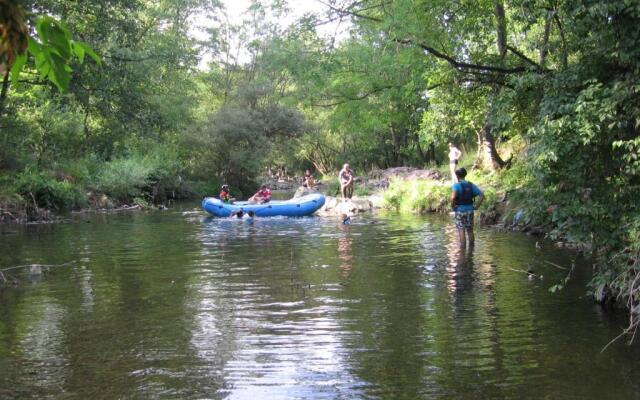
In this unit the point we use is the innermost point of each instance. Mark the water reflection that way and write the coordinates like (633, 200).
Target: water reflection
(345, 250)
(460, 267)
(176, 305)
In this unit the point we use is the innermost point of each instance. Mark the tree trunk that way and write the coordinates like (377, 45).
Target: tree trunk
(3, 92)
(85, 123)
(479, 160)
(395, 141)
(501, 29)
(491, 158)
(487, 155)
(432, 152)
(544, 48)
(422, 156)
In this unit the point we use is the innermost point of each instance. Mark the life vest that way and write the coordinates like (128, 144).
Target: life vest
(465, 197)
(224, 196)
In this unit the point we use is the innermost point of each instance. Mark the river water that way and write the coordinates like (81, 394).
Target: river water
(177, 305)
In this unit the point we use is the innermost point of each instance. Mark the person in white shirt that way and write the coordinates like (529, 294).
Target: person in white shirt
(454, 156)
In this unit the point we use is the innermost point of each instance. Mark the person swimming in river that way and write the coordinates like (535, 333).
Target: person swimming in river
(346, 219)
(238, 214)
(249, 216)
(225, 196)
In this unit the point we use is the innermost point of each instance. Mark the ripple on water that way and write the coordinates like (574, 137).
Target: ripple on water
(175, 305)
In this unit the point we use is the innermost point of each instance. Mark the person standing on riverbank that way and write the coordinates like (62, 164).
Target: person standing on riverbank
(463, 194)
(346, 181)
(454, 156)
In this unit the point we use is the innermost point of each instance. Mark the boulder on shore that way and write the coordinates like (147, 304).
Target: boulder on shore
(335, 206)
(303, 191)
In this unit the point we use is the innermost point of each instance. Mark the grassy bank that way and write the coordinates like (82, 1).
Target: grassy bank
(425, 195)
(140, 179)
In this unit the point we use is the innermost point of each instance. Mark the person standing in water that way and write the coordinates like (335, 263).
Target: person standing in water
(346, 181)
(454, 156)
(463, 194)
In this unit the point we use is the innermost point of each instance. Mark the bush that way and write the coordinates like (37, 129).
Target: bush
(149, 176)
(362, 190)
(124, 179)
(83, 171)
(417, 195)
(331, 185)
(166, 169)
(47, 192)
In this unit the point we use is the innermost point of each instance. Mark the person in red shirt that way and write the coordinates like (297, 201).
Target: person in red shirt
(262, 196)
(225, 197)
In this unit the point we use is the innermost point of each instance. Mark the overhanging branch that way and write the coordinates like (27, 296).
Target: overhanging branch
(458, 65)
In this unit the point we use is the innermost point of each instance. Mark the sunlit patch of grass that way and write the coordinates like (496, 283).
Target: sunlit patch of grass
(417, 195)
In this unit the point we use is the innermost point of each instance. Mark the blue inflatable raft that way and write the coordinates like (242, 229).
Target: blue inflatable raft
(297, 207)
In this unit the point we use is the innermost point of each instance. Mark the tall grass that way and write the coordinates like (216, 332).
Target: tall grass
(416, 195)
(124, 179)
(423, 195)
(48, 192)
(148, 176)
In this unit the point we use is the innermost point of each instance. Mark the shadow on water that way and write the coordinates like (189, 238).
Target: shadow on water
(179, 305)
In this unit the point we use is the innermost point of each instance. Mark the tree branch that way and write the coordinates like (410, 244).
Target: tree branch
(125, 59)
(33, 82)
(347, 98)
(525, 58)
(458, 65)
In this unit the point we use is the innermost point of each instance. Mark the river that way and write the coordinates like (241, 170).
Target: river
(179, 305)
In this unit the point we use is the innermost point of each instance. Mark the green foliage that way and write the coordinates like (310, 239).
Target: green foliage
(234, 144)
(331, 185)
(48, 192)
(417, 196)
(124, 179)
(147, 176)
(362, 190)
(53, 49)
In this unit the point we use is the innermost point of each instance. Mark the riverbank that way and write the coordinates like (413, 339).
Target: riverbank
(15, 209)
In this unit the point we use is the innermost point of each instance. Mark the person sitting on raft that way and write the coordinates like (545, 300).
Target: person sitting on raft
(262, 196)
(308, 182)
(225, 197)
